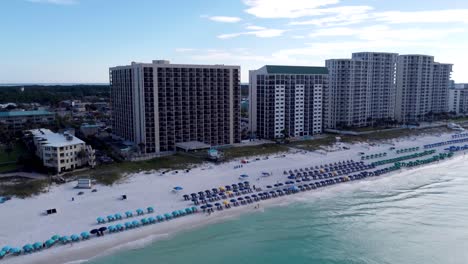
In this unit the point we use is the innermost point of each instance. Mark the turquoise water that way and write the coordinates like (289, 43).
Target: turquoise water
(416, 218)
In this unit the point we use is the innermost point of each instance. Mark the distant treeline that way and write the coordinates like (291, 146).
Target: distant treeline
(50, 94)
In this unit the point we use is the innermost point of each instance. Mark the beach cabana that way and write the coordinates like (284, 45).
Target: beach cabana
(75, 238)
(150, 210)
(37, 246)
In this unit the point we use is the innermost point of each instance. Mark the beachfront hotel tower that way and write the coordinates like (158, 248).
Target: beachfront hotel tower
(422, 88)
(159, 105)
(361, 90)
(286, 101)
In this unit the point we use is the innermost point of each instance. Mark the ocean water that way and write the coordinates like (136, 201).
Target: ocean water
(410, 218)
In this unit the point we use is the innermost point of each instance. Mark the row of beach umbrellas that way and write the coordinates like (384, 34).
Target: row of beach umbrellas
(444, 143)
(128, 214)
(407, 157)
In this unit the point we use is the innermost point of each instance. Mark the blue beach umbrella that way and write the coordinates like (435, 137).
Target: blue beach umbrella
(150, 209)
(50, 243)
(152, 220)
(2, 254)
(6, 249)
(100, 220)
(194, 209)
(244, 176)
(129, 214)
(188, 210)
(128, 225)
(181, 212)
(167, 216)
(144, 221)
(111, 228)
(178, 188)
(118, 216)
(28, 248)
(85, 235)
(15, 251)
(37, 245)
(55, 237)
(65, 239)
(119, 227)
(135, 223)
(139, 211)
(175, 213)
(160, 218)
(75, 237)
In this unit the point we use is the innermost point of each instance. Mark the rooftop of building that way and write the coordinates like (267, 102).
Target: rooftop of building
(25, 113)
(166, 63)
(285, 69)
(55, 139)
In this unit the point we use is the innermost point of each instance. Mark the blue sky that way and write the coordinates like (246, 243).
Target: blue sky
(67, 41)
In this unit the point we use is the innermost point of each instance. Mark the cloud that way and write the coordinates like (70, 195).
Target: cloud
(181, 50)
(285, 8)
(260, 32)
(338, 16)
(56, 2)
(225, 19)
(432, 16)
(384, 32)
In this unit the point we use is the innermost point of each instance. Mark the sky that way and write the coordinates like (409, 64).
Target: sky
(76, 41)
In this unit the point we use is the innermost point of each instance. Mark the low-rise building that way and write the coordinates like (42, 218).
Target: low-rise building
(62, 151)
(20, 120)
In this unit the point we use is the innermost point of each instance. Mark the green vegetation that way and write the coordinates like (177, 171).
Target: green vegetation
(51, 94)
(265, 149)
(25, 188)
(9, 155)
(392, 134)
(112, 173)
(314, 144)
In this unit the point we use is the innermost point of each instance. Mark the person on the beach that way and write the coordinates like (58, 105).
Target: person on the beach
(73, 199)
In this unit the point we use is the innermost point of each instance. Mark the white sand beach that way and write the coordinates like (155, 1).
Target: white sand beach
(22, 220)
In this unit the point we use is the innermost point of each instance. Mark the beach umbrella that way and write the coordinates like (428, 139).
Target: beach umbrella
(119, 227)
(95, 231)
(160, 218)
(100, 220)
(209, 206)
(102, 229)
(167, 216)
(269, 187)
(128, 225)
(129, 214)
(15, 251)
(144, 221)
(7, 248)
(36, 246)
(110, 218)
(181, 212)
(50, 243)
(178, 188)
(194, 209)
(64, 239)
(152, 220)
(188, 210)
(244, 176)
(55, 237)
(118, 216)
(2, 254)
(85, 235)
(139, 211)
(233, 200)
(135, 223)
(28, 248)
(75, 237)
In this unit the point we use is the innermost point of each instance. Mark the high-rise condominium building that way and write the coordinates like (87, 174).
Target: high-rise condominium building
(286, 101)
(422, 87)
(158, 105)
(361, 90)
(458, 99)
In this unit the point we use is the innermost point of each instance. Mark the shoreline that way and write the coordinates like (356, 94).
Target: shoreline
(148, 235)
(201, 179)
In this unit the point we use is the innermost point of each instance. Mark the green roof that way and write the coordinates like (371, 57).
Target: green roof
(25, 113)
(278, 69)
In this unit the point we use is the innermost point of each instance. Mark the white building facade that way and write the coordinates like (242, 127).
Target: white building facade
(361, 90)
(62, 152)
(458, 99)
(286, 101)
(158, 105)
(422, 88)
